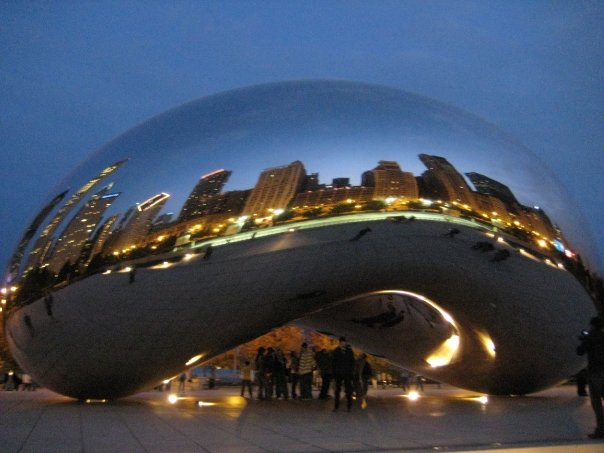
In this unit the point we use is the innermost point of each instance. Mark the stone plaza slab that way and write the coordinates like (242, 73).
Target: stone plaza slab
(442, 419)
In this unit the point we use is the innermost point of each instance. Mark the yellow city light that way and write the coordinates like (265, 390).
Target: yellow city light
(205, 403)
(413, 395)
(487, 343)
(443, 355)
(192, 360)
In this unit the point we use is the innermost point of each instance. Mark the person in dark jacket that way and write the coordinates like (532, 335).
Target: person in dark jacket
(269, 373)
(294, 372)
(280, 375)
(323, 359)
(342, 367)
(592, 344)
(260, 372)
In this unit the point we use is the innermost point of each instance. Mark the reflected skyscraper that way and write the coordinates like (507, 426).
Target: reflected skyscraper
(199, 201)
(139, 223)
(443, 181)
(16, 259)
(489, 186)
(80, 229)
(101, 237)
(388, 180)
(275, 188)
(44, 242)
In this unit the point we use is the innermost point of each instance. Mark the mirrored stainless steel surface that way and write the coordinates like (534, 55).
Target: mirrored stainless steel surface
(305, 202)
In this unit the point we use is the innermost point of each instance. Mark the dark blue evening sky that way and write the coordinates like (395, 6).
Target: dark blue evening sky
(73, 75)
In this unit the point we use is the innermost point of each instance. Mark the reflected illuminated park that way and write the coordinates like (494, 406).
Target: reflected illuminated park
(422, 233)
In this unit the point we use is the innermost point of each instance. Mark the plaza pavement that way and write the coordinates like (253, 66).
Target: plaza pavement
(442, 419)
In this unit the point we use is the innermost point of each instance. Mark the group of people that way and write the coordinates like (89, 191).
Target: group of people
(284, 376)
(13, 381)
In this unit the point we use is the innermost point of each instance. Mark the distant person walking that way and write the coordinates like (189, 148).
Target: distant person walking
(181, 383)
(592, 344)
(360, 234)
(343, 373)
(419, 383)
(208, 253)
(362, 374)
(48, 301)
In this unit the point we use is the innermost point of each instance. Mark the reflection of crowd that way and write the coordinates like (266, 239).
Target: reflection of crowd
(14, 381)
(284, 376)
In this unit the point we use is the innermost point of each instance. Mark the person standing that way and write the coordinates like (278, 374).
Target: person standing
(323, 359)
(181, 383)
(342, 365)
(294, 372)
(592, 344)
(280, 375)
(260, 373)
(246, 378)
(269, 373)
(306, 365)
(363, 372)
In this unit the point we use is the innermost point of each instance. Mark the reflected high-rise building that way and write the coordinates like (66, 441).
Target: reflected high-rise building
(44, 242)
(275, 188)
(311, 182)
(80, 229)
(340, 182)
(139, 224)
(17, 257)
(208, 187)
(489, 186)
(162, 221)
(443, 181)
(229, 203)
(101, 237)
(536, 220)
(388, 180)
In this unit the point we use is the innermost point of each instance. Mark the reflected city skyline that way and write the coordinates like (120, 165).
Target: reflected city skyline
(339, 130)
(282, 194)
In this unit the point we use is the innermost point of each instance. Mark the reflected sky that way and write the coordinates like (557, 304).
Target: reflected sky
(338, 129)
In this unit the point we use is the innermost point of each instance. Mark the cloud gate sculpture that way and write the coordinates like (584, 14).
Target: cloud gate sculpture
(423, 234)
